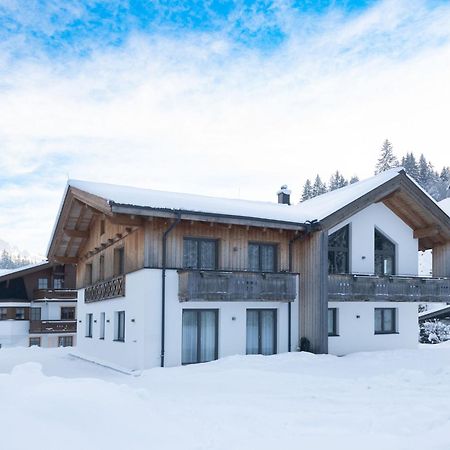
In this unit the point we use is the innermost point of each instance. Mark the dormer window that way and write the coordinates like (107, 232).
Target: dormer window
(384, 255)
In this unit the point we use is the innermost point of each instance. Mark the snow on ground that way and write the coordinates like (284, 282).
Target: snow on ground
(391, 400)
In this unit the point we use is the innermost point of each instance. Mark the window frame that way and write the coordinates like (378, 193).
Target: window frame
(394, 329)
(335, 249)
(22, 314)
(334, 332)
(88, 274)
(101, 268)
(274, 311)
(89, 325)
(63, 339)
(34, 309)
(34, 338)
(382, 253)
(44, 285)
(260, 244)
(3, 313)
(65, 308)
(119, 326)
(198, 323)
(199, 240)
(119, 261)
(102, 323)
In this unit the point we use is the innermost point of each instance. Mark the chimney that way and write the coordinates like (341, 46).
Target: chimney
(284, 195)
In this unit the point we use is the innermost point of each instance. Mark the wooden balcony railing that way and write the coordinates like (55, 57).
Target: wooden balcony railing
(53, 326)
(236, 286)
(394, 288)
(105, 290)
(55, 294)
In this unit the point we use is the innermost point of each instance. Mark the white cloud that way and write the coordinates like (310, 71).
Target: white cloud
(197, 114)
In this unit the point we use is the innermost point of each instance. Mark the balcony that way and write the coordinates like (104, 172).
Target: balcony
(392, 288)
(105, 290)
(236, 286)
(53, 326)
(55, 294)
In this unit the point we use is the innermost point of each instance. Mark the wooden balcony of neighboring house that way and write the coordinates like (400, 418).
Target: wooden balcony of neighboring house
(55, 294)
(217, 285)
(105, 290)
(53, 326)
(350, 287)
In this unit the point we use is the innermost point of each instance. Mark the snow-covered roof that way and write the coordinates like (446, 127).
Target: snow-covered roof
(445, 205)
(315, 209)
(4, 272)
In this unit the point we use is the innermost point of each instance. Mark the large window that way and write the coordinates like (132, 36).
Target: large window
(65, 341)
(261, 331)
(200, 253)
(262, 257)
(35, 341)
(199, 336)
(68, 313)
(385, 320)
(58, 282)
(102, 325)
(338, 251)
(384, 255)
(332, 322)
(42, 283)
(119, 326)
(35, 313)
(88, 325)
(119, 261)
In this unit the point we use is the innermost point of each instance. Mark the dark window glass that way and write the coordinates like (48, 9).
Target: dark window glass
(89, 325)
(58, 283)
(65, 341)
(42, 283)
(35, 341)
(332, 322)
(102, 325)
(385, 320)
(67, 313)
(101, 268)
(88, 274)
(20, 313)
(120, 326)
(338, 251)
(35, 314)
(262, 257)
(200, 253)
(261, 331)
(3, 313)
(199, 336)
(119, 261)
(384, 255)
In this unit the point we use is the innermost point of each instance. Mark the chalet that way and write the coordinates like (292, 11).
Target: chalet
(166, 279)
(38, 306)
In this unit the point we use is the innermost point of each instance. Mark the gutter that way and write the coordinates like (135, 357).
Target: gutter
(163, 284)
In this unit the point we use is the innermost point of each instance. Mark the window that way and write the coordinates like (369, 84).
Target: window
(102, 325)
(332, 322)
(35, 313)
(261, 331)
(102, 227)
(262, 257)
(65, 341)
(88, 274)
(35, 341)
(101, 268)
(384, 255)
(199, 336)
(200, 253)
(68, 313)
(20, 313)
(338, 251)
(88, 325)
(385, 321)
(119, 261)
(58, 283)
(42, 283)
(119, 326)
(3, 313)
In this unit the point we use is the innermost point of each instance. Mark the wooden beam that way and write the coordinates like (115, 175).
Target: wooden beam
(76, 233)
(65, 259)
(421, 233)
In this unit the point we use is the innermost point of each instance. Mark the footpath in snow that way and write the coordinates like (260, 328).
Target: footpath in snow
(385, 400)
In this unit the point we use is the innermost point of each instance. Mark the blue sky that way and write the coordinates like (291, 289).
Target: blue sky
(217, 97)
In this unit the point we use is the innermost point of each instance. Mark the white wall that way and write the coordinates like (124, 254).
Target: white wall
(14, 333)
(362, 226)
(356, 327)
(142, 304)
(51, 309)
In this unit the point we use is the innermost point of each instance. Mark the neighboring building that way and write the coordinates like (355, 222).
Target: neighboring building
(168, 279)
(442, 314)
(38, 306)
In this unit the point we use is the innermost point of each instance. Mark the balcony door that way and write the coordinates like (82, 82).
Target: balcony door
(199, 340)
(261, 331)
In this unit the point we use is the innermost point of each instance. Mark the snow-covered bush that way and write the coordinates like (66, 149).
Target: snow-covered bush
(433, 332)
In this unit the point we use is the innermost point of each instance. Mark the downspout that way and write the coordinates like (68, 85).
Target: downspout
(163, 285)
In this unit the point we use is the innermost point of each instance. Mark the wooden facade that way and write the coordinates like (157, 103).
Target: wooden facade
(441, 260)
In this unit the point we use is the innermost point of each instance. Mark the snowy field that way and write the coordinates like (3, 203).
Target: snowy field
(386, 400)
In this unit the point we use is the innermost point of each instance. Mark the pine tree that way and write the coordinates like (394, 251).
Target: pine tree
(387, 159)
(337, 181)
(424, 171)
(307, 190)
(354, 179)
(319, 187)
(410, 165)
